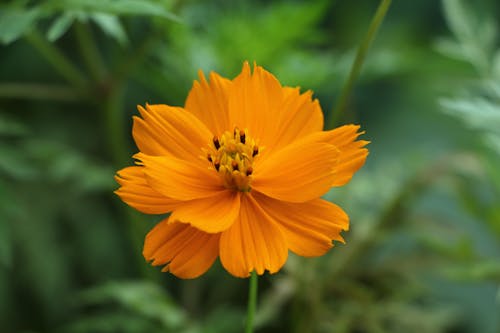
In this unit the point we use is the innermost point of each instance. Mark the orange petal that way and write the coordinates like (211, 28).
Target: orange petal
(352, 154)
(137, 193)
(186, 251)
(253, 242)
(166, 130)
(208, 102)
(179, 179)
(213, 214)
(309, 227)
(301, 116)
(300, 172)
(254, 103)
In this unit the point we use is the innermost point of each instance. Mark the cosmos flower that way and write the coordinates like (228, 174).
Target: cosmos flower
(241, 168)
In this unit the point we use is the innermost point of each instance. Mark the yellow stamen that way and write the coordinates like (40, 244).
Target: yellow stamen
(232, 155)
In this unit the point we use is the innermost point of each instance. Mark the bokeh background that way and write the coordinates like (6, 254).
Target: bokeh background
(423, 252)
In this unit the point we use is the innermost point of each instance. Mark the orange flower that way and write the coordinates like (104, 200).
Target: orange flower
(241, 168)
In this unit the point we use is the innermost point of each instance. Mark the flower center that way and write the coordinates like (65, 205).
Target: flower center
(232, 155)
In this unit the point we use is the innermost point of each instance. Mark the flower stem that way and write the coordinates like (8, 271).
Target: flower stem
(377, 20)
(90, 53)
(59, 61)
(41, 91)
(252, 302)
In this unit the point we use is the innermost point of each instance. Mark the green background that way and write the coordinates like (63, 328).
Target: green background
(423, 252)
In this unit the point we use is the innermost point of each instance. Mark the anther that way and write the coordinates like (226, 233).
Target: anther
(209, 158)
(216, 142)
(217, 165)
(255, 151)
(242, 136)
(234, 165)
(249, 171)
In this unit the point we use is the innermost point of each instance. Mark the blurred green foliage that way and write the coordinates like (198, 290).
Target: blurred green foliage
(423, 253)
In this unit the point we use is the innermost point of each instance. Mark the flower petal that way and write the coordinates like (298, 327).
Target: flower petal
(166, 130)
(208, 102)
(300, 116)
(213, 214)
(309, 227)
(179, 179)
(137, 193)
(253, 242)
(352, 154)
(186, 251)
(254, 103)
(300, 172)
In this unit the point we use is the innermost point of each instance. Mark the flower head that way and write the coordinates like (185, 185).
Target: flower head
(241, 168)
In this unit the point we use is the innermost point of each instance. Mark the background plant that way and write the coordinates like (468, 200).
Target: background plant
(423, 253)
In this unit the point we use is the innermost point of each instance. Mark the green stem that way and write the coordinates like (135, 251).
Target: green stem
(38, 91)
(59, 61)
(115, 125)
(128, 64)
(117, 144)
(358, 61)
(90, 53)
(252, 302)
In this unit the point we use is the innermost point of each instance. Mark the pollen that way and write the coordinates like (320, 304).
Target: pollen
(231, 155)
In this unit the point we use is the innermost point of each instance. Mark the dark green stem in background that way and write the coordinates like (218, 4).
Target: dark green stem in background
(128, 64)
(102, 92)
(40, 91)
(117, 143)
(377, 20)
(90, 53)
(252, 302)
(59, 62)
(115, 127)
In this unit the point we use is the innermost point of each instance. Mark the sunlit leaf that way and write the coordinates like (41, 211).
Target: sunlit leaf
(15, 22)
(112, 26)
(60, 26)
(118, 7)
(476, 35)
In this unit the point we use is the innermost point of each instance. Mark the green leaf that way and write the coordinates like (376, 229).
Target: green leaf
(478, 113)
(476, 34)
(60, 26)
(223, 320)
(9, 126)
(144, 298)
(15, 22)
(486, 269)
(117, 7)
(496, 65)
(111, 322)
(112, 26)
(458, 19)
(65, 165)
(14, 163)
(450, 48)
